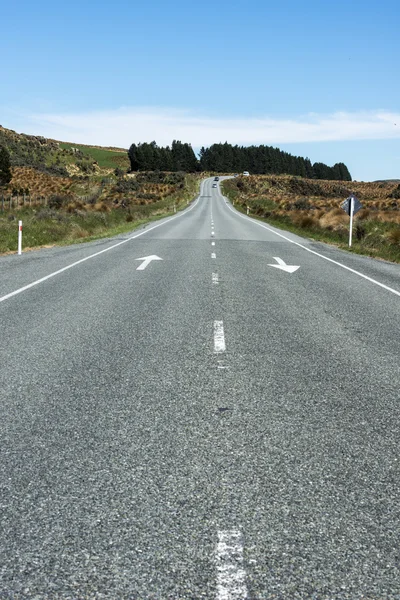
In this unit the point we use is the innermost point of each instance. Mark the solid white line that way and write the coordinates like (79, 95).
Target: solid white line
(213, 255)
(231, 577)
(219, 337)
(382, 285)
(215, 278)
(82, 260)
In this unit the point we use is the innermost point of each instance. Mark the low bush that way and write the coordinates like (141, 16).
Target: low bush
(125, 186)
(394, 236)
(58, 201)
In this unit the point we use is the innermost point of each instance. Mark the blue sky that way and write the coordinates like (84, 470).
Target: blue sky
(318, 79)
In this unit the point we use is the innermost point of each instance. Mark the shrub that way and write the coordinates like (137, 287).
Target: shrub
(302, 204)
(58, 201)
(124, 186)
(46, 213)
(5, 170)
(394, 236)
(147, 196)
(305, 221)
(360, 231)
(395, 193)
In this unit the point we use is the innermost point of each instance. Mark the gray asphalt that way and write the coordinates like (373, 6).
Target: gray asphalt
(127, 443)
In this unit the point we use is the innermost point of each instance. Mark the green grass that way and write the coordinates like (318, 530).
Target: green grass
(105, 158)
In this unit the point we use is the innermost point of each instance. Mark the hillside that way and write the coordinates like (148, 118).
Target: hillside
(65, 192)
(60, 158)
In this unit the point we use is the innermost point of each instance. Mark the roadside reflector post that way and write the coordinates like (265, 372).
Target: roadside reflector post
(248, 209)
(19, 237)
(174, 208)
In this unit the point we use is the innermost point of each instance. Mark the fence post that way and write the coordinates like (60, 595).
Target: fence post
(19, 237)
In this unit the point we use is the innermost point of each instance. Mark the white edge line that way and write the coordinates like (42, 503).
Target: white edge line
(78, 262)
(382, 285)
(231, 576)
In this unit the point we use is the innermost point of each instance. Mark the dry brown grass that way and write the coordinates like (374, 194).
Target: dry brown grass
(38, 183)
(305, 220)
(334, 219)
(394, 236)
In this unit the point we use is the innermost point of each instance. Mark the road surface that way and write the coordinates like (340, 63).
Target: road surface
(206, 426)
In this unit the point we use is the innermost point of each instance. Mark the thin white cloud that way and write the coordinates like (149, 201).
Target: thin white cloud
(123, 126)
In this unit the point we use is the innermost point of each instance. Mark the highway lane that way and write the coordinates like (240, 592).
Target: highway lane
(138, 462)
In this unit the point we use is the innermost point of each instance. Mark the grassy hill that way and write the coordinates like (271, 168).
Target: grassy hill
(61, 158)
(67, 192)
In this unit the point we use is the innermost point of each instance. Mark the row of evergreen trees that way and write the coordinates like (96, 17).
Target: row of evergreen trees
(149, 157)
(225, 158)
(264, 160)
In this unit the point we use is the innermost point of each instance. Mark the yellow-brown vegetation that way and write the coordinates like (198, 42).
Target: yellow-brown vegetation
(39, 184)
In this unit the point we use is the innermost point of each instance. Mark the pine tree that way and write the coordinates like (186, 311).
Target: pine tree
(344, 172)
(5, 170)
(133, 157)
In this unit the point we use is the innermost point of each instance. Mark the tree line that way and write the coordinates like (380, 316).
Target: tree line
(225, 158)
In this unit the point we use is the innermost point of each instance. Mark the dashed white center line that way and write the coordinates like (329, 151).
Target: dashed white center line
(231, 577)
(212, 243)
(213, 255)
(215, 278)
(219, 337)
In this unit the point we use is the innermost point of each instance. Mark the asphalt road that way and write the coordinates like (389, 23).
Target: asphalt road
(210, 426)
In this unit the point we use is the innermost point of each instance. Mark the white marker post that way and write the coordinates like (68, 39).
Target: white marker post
(174, 208)
(351, 219)
(19, 237)
(248, 209)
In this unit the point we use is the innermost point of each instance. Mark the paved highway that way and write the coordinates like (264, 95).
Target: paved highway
(207, 426)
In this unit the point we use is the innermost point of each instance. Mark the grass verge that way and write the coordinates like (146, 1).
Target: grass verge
(371, 237)
(48, 227)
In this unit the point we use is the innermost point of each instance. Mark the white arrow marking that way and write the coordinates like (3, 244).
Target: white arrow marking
(282, 265)
(146, 261)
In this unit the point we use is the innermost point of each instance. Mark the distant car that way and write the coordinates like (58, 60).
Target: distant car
(216, 178)
(236, 175)
(214, 185)
(246, 173)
